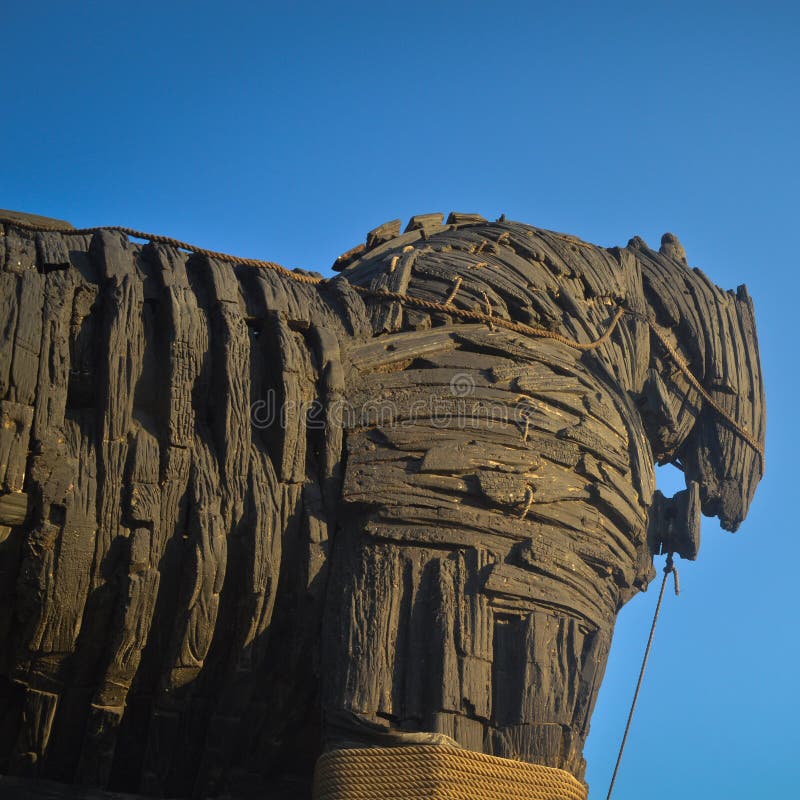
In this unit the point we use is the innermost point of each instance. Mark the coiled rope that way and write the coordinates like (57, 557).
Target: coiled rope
(430, 305)
(437, 772)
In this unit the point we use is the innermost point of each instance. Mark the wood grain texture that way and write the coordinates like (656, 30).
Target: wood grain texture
(244, 518)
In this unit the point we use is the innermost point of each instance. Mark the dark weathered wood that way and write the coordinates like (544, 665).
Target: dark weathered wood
(22, 789)
(13, 509)
(244, 517)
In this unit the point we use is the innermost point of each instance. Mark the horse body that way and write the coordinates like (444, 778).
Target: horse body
(254, 499)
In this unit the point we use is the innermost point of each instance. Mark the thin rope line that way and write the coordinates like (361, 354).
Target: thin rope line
(669, 567)
(168, 240)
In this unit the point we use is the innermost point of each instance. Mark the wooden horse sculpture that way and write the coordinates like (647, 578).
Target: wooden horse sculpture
(252, 515)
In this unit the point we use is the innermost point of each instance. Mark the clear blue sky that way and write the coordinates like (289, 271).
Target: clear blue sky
(286, 130)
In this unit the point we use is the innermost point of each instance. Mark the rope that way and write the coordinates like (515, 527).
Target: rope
(430, 305)
(681, 364)
(529, 497)
(669, 567)
(168, 240)
(490, 319)
(437, 772)
(454, 291)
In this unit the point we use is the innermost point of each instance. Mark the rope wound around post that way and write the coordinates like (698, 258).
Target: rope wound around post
(669, 568)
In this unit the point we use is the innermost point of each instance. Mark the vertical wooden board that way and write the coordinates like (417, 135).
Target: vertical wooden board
(142, 506)
(296, 391)
(186, 337)
(55, 362)
(71, 585)
(168, 549)
(76, 549)
(315, 534)
(572, 753)
(124, 348)
(121, 360)
(508, 670)
(28, 338)
(132, 626)
(219, 748)
(331, 403)
(274, 295)
(85, 336)
(252, 591)
(754, 410)
(37, 721)
(708, 303)
(113, 255)
(230, 386)
(201, 581)
(9, 306)
(593, 664)
(168, 546)
(476, 686)
(143, 496)
(220, 449)
(94, 765)
(51, 251)
(20, 250)
(373, 624)
(657, 281)
(263, 535)
(112, 456)
(162, 741)
(554, 648)
(347, 308)
(34, 599)
(50, 478)
(63, 746)
(15, 431)
(10, 557)
(536, 744)
(480, 612)
(444, 674)
(204, 570)
(430, 641)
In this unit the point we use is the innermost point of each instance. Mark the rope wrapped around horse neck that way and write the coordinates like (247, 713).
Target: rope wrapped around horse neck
(437, 772)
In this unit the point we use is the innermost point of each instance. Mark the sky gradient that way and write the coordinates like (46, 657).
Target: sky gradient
(285, 131)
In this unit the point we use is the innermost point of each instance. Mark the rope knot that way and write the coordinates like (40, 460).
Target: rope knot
(669, 566)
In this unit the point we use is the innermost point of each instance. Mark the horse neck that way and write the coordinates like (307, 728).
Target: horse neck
(685, 306)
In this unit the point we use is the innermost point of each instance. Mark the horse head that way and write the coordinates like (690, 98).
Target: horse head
(713, 430)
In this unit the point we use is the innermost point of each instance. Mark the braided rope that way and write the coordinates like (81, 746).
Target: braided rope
(430, 305)
(491, 319)
(168, 240)
(436, 772)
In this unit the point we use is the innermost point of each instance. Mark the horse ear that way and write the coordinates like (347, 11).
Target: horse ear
(637, 243)
(672, 248)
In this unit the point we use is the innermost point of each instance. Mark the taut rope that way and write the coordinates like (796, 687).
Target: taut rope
(669, 567)
(430, 305)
